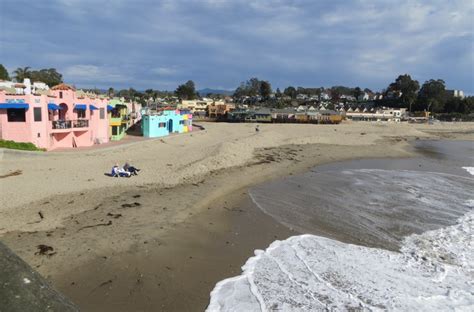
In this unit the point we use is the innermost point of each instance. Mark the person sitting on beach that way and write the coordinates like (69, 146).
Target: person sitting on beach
(257, 129)
(119, 172)
(131, 169)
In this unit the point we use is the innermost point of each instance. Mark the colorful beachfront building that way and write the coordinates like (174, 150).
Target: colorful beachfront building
(164, 122)
(118, 119)
(55, 118)
(122, 116)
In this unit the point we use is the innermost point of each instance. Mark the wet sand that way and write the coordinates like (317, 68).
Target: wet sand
(177, 270)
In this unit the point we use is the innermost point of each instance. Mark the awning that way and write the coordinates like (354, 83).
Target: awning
(14, 105)
(53, 106)
(110, 107)
(92, 107)
(80, 107)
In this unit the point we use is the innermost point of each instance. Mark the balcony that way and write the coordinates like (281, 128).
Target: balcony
(62, 124)
(68, 125)
(80, 123)
(118, 120)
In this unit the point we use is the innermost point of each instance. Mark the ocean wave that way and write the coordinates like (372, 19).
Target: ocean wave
(434, 271)
(469, 169)
(376, 207)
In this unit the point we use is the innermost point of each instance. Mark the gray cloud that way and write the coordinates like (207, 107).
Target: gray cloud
(218, 43)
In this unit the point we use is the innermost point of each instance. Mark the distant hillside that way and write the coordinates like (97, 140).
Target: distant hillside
(205, 91)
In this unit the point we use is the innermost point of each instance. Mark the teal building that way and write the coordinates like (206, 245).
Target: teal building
(165, 122)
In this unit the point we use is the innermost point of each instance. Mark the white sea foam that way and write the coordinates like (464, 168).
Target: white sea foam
(434, 271)
(469, 169)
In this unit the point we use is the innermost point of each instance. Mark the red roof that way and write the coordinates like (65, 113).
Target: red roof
(63, 86)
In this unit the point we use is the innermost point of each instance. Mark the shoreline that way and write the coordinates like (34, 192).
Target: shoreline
(110, 266)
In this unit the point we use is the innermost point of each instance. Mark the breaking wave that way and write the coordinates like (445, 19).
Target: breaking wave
(469, 169)
(434, 271)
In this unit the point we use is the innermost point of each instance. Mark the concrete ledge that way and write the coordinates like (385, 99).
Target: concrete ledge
(24, 289)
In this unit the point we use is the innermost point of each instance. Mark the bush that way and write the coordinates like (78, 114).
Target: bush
(20, 146)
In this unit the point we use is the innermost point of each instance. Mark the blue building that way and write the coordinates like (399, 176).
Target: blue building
(164, 122)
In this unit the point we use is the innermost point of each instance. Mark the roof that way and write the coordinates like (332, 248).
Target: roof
(8, 90)
(63, 86)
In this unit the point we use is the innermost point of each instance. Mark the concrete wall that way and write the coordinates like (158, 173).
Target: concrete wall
(23, 289)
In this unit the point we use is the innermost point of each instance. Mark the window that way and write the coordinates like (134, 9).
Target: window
(16, 115)
(60, 95)
(114, 130)
(37, 113)
(162, 125)
(81, 113)
(102, 113)
(115, 113)
(181, 122)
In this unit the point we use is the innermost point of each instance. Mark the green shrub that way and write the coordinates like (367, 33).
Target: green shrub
(20, 146)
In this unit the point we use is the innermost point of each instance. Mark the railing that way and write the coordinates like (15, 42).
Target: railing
(62, 124)
(80, 123)
(68, 124)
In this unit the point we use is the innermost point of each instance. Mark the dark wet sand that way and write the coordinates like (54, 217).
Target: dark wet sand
(176, 271)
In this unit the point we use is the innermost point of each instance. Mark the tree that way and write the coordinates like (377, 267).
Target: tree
(49, 76)
(432, 96)
(186, 91)
(455, 105)
(319, 91)
(408, 88)
(357, 93)
(21, 73)
(253, 87)
(111, 92)
(265, 89)
(335, 94)
(4, 73)
(240, 91)
(290, 91)
(278, 93)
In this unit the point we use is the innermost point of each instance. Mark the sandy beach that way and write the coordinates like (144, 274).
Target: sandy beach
(162, 239)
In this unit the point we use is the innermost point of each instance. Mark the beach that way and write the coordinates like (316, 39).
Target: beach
(163, 239)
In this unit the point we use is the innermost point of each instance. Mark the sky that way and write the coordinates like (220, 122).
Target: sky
(219, 43)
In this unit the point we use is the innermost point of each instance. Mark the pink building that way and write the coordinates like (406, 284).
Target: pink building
(59, 118)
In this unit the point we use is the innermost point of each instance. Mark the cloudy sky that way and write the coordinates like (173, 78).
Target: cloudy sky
(219, 43)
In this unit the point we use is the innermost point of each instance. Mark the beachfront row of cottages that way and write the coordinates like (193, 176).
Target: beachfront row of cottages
(288, 115)
(63, 117)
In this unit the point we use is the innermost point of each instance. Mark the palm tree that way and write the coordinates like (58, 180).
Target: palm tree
(22, 73)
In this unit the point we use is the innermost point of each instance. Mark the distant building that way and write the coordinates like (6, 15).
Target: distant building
(456, 93)
(393, 94)
(390, 114)
(325, 96)
(195, 105)
(218, 109)
(364, 96)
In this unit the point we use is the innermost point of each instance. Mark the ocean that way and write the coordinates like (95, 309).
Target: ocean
(377, 234)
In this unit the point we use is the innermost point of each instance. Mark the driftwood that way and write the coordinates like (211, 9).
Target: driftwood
(95, 225)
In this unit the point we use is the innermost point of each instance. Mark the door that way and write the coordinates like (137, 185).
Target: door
(170, 125)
